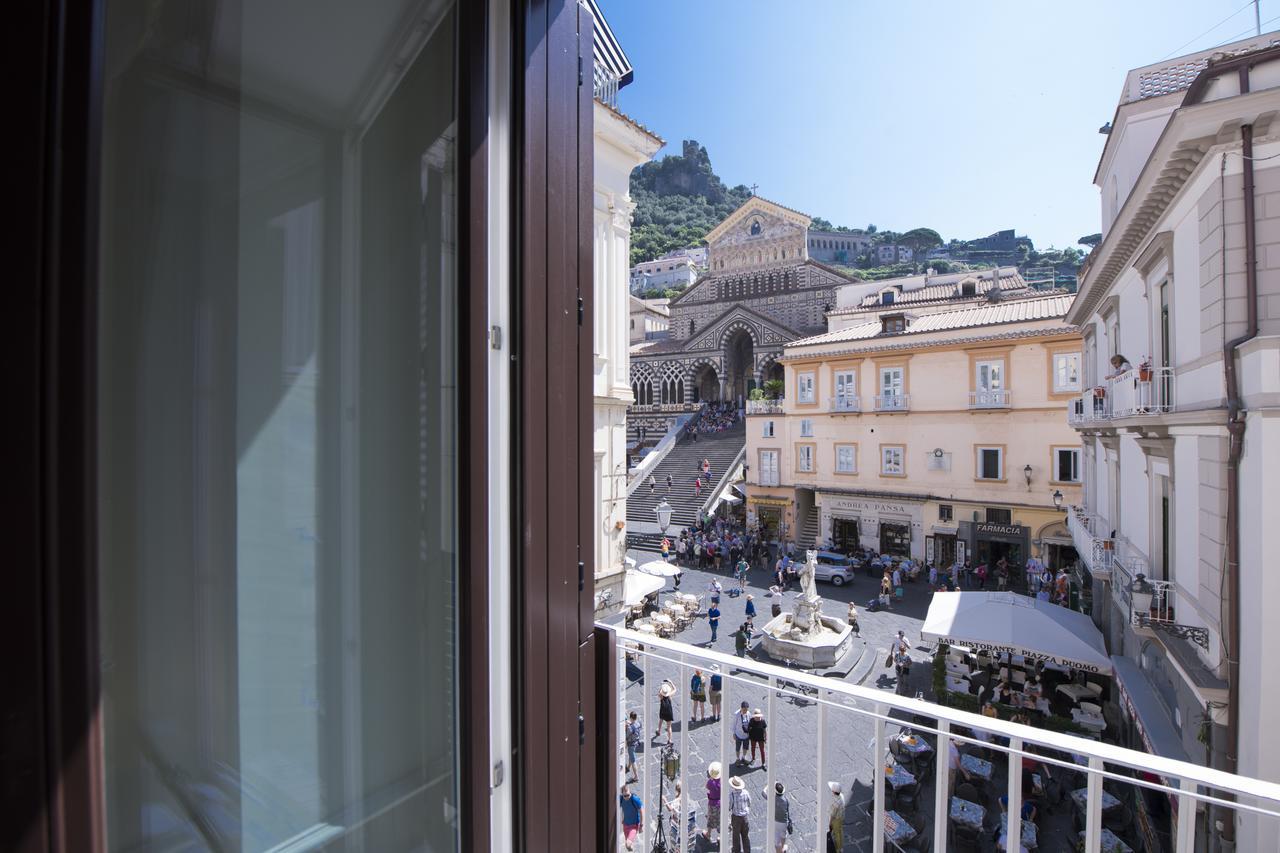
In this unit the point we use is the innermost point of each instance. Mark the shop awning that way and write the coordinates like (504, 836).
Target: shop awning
(637, 585)
(1009, 623)
(1138, 698)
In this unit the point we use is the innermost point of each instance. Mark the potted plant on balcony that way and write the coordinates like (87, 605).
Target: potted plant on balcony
(773, 388)
(1144, 370)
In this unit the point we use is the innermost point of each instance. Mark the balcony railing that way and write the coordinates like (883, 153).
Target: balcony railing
(1143, 391)
(1092, 406)
(1089, 534)
(663, 408)
(893, 402)
(845, 404)
(605, 86)
(988, 399)
(1136, 393)
(765, 407)
(890, 755)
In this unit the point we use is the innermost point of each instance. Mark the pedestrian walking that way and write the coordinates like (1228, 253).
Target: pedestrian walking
(666, 550)
(781, 817)
(853, 618)
(697, 487)
(666, 713)
(740, 639)
(706, 469)
(697, 696)
(742, 733)
(714, 693)
(713, 801)
(886, 589)
(835, 818)
(653, 484)
(756, 729)
(715, 589)
(751, 613)
(668, 484)
(634, 735)
(713, 616)
(632, 810)
(739, 815)
(740, 572)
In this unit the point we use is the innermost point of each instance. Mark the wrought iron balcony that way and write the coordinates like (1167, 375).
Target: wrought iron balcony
(1091, 407)
(1151, 605)
(988, 399)
(845, 404)
(1089, 534)
(1142, 392)
(889, 754)
(765, 407)
(893, 402)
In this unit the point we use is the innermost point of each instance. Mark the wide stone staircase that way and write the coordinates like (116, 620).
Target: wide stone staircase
(683, 463)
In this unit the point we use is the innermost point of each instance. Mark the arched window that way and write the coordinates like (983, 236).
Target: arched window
(679, 390)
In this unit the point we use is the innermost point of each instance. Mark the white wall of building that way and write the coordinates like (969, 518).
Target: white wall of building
(620, 146)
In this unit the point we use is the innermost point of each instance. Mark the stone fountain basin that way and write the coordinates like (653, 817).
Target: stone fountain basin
(821, 651)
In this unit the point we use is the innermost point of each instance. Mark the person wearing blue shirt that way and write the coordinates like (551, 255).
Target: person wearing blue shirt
(632, 815)
(713, 619)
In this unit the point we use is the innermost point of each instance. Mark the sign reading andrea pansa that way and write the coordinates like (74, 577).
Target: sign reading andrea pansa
(1031, 655)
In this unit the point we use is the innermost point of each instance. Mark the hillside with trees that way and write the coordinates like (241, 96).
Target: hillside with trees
(678, 200)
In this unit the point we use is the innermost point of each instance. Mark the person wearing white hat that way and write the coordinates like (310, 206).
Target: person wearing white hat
(666, 713)
(739, 815)
(835, 822)
(713, 801)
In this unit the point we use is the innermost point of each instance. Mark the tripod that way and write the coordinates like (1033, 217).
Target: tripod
(670, 768)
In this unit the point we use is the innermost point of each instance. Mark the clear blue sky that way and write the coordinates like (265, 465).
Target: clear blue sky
(965, 117)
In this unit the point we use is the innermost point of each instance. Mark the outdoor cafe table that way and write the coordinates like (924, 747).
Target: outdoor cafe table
(897, 775)
(1075, 692)
(1028, 833)
(1041, 704)
(966, 813)
(975, 766)
(896, 828)
(913, 744)
(1110, 843)
(1081, 798)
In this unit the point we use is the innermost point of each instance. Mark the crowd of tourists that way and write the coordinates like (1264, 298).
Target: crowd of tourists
(715, 417)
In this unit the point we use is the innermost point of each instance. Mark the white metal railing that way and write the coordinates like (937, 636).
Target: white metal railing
(1091, 406)
(845, 403)
(605, 85)
(1162, 609)
(1126, 565)
(833, 730)
(988, 399)
(1142, 391)
(892, 402)
(1089, 534)
(765, 407)
(663, 408)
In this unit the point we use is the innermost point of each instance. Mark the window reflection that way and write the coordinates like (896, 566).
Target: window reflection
(278, 426)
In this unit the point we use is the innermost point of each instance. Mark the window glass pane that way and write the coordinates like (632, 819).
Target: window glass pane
(278, 426)
(990, 463)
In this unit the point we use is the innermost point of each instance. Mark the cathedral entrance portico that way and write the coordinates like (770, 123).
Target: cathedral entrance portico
(707, 385)
(739, 349)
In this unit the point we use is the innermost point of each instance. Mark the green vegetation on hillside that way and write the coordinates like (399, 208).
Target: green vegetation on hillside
(678, 200)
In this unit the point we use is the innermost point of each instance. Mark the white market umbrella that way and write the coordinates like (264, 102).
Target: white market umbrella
(658, 568)
(1008, 623)
(637, 585)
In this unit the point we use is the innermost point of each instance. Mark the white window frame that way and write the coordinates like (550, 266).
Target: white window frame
(994, 379)
(846, 384)
(768, 474)
(852, 467)
(1057, 469)
(978, 462)
(805, 383)
(888, 463)
(766, 429)
(804, 458)
(806, 427)
(899, 386)
(1060, 361)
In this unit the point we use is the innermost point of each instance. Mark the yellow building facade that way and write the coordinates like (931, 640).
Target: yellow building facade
(934, 435)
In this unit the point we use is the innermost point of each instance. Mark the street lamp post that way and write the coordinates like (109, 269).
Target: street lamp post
(1057, 499)
(663, 512)
(1026, 472)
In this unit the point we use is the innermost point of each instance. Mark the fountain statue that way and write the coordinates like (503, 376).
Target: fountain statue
(805, 635)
